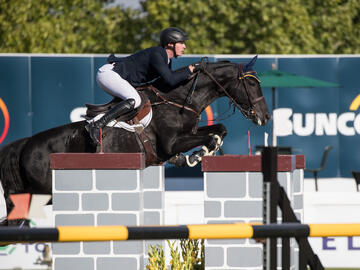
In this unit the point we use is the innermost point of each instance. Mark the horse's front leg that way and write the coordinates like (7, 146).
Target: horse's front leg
(209, 137)
(218, 133)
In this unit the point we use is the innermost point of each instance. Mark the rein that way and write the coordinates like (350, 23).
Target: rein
(242, 77)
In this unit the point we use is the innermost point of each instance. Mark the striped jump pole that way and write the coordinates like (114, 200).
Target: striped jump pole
(206, 231)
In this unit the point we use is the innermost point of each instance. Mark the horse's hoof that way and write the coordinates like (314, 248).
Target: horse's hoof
(195, 158)
(21, 223)
(215, 143)
(178, 160)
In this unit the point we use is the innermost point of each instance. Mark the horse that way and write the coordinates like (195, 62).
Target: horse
(172, 131)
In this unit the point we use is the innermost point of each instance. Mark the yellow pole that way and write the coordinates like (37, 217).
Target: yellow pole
(88, 233)
(324, 230)
(220, 231)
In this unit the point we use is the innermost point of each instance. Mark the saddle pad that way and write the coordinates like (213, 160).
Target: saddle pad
(143, 123)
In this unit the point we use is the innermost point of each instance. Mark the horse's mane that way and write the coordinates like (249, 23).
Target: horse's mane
(210, 66)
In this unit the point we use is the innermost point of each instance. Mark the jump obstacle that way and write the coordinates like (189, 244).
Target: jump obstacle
(204, 231)
(105, 190)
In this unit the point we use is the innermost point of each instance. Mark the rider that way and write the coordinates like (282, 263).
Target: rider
(119, 77)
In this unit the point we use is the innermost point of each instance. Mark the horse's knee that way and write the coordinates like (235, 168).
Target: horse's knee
(222, 131)
(215, 142)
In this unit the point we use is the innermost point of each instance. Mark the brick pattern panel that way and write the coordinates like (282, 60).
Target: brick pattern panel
(236, 196)
(106, 197)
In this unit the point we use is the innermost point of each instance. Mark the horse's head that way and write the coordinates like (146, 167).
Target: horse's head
(242, 86)
(254, 107)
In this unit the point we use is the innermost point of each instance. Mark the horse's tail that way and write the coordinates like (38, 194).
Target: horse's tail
(10, 171)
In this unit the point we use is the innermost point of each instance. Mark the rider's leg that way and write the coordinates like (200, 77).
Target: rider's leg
(113, 84)
(115, 112)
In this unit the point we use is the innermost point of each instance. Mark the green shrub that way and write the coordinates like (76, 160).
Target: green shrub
(188, 259)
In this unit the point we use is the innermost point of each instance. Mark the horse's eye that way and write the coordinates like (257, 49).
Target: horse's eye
(252, 82)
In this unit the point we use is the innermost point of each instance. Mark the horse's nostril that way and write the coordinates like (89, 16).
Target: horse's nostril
(268, 116)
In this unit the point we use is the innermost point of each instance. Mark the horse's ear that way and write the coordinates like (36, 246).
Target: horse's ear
(249, 66)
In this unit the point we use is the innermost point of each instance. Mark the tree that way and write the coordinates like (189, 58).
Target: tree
(266, 26)
(52, 26)
(124, 29)
(336, 25)
(214, 26)
(235, 26)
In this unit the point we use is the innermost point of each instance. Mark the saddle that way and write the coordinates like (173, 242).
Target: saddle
(133, 117)
(138, 113)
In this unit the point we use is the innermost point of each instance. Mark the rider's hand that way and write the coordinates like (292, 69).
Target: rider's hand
(191, 67)
(199, 66)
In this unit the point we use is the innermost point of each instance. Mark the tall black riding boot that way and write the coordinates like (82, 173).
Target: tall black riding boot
(94, 127)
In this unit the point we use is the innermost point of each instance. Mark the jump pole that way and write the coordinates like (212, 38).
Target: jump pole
(198, 231)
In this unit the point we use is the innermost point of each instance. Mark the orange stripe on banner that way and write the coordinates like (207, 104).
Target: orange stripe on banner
(209, 115)
(6, 120)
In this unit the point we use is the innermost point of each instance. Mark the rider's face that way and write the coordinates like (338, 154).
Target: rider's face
(179, 48)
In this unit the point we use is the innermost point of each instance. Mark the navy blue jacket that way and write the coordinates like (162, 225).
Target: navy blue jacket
(147, 65)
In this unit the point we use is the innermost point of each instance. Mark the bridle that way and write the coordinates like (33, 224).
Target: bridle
(251, 111)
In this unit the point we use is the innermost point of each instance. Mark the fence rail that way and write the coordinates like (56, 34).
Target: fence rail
(10, 235)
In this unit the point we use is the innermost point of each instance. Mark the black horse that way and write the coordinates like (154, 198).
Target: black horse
(173, 130)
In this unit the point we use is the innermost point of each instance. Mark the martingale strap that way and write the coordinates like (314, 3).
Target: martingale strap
(181, 107)
(165, 101)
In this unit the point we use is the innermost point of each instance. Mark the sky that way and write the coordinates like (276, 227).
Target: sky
(129, 3)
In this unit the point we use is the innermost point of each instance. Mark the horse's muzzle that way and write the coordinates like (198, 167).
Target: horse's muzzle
(259, 120)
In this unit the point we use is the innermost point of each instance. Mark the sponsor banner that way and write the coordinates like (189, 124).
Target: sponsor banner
(26, 256)
(51, 91)
(337, 201)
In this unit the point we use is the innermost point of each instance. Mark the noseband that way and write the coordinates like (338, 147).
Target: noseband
(251, 111)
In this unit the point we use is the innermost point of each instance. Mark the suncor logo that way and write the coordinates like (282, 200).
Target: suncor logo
(5, 113)
(288, 123)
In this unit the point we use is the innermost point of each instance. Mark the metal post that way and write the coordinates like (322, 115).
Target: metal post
(302, 254)
(274, 138)
(270, 201)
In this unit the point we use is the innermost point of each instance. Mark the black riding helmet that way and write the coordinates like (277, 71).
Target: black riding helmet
(172, 35)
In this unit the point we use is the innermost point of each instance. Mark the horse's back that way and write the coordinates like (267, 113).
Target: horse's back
(71, 137)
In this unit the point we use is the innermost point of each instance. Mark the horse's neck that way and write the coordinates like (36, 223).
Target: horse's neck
(205, 92)
(202, 96)
(208, 90)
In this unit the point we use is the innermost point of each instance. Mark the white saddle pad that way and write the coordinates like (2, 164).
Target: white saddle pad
(143, 122)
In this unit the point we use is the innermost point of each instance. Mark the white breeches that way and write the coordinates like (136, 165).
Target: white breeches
(112, 83)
